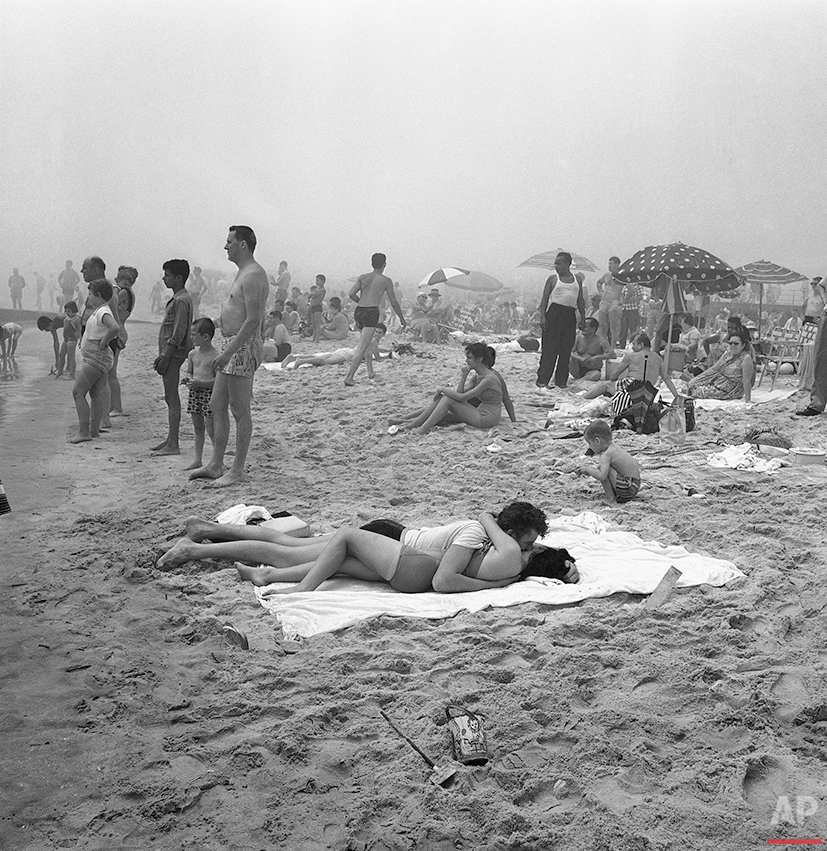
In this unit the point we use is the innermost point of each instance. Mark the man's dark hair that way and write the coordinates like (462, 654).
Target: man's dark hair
(688, 319)
(70, 305)
(205, 325)
(380, 326)
(615, 258)
(321, 278)
(97, 262)
(335, 302)
(520, 517)
(565, 255)
(101, 288)
(592, 322)
(644, 340)
(478, 351)
(178, 268)
(245, 233)
(276, 314)
(378, 261)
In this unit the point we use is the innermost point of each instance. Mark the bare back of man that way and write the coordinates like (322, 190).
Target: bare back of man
(368, 292)
(241, 322)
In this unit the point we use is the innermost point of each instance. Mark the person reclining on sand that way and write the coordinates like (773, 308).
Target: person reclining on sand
(339, 355)
(463, 556)
(641, 364)
(479, 406)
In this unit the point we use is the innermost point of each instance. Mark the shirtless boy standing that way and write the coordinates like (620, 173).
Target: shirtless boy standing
(241, 321)
(367, 292)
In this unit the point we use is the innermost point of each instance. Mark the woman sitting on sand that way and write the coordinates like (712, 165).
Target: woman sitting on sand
(732, 376)
(462, 556)
(478, 403)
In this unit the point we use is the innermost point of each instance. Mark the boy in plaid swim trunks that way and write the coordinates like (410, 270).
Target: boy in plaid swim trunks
(617, 470)
(199, 380)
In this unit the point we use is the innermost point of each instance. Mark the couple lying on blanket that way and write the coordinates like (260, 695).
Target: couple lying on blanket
(467, 555)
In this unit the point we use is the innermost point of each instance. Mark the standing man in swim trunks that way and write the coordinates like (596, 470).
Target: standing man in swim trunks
(367, 292)
(241, 321)
(611, 308)
(317, 296)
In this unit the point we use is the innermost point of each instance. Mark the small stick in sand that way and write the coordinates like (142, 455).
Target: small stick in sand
(658, 597)
(440, 774)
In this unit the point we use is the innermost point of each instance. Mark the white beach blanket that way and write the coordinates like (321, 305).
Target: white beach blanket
(743, 457)
(609, 561)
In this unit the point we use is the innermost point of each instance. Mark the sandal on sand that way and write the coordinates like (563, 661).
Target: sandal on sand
(467, 735)
(235, 636)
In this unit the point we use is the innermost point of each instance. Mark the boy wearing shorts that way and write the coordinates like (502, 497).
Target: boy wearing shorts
(617, 471)
(199, 380)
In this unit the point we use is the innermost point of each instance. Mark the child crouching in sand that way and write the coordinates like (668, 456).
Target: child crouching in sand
(618, 471)
(199, 380)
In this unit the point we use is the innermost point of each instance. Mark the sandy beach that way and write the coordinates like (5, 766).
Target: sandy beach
(130, 723)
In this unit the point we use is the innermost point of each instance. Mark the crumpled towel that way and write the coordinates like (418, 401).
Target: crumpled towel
(743, 457)
(609, 561)
(238, 515)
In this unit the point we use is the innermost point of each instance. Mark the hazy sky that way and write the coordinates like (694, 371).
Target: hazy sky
(465, 133)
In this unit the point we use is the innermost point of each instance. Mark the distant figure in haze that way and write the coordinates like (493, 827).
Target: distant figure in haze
(69, 282)
(40, 284)
(16, 284)
(317, 296)
(196, 288)
(174, 344)
(156, 297)
(283, 282)
(368, 292)
(611, 309)
(562, 299)
(242, 317)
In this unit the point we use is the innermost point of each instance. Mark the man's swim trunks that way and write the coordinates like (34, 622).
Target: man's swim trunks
(199, 401)
(315, 308)
(246, 360)
(626, 488)
(366, 317)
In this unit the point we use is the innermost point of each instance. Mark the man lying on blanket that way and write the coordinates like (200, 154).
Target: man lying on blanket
(468, 555)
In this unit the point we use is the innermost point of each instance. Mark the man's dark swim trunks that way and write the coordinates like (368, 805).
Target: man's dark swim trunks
(366, 317)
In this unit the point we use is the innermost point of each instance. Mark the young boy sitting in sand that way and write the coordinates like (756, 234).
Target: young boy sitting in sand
(618, 471)
(199, 380)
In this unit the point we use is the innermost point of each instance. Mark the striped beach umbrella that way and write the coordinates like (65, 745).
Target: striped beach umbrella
(657, 265)
(763, 272)
(478, 282)
(545, 260)
(441, 276)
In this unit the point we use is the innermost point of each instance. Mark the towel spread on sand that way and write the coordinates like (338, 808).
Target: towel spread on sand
(760, 395)
(743, 457)
(609, 561)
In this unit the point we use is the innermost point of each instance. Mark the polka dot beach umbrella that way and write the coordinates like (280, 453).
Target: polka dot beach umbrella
(545, 260)
(657, 265)
(763, 272)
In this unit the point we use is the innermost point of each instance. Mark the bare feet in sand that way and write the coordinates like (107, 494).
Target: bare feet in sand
(182, 551)
(81, 438)
(167, 450)
(198, 529)
(259, 576)
(227, 480)
(195, 465)
(207, 472)
(349, 382)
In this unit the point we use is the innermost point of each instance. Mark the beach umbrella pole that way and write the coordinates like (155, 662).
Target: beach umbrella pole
(760, 308)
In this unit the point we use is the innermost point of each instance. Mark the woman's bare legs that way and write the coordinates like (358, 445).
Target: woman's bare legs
(267, 575)
(199, 530)
(376, 553)
(462, 411)
(601, 388)
(405, 418)
(255, 551)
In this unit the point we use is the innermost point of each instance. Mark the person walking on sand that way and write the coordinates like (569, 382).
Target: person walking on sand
(367, 292)
(174, 344)
(611, 306)
(241, 321)
(562, 299)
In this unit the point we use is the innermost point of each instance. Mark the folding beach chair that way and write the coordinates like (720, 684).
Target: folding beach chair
(786, 347)
(636, 404)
